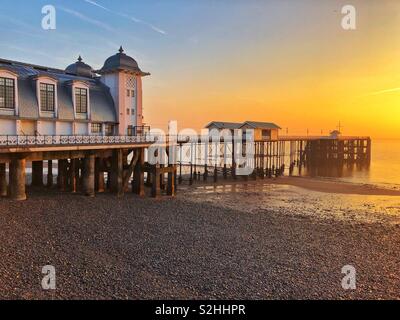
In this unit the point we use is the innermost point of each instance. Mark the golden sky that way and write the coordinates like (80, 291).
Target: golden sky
(284, 61)
(288, 62)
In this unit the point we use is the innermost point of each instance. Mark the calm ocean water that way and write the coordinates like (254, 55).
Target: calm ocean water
(385, 166)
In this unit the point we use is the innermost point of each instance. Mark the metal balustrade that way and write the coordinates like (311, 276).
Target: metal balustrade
(57, 140)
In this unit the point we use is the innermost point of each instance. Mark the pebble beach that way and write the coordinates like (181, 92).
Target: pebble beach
(189, 248)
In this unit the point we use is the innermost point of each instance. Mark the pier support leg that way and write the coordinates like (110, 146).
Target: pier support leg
(99, 176)
(61, 176)
(225, 172)
(368, 151)
(176, 180)
(88, 175)
(3, 180)
(148, 180)
(49, 173)
(138, 175)
(162, 182)
(72, 175)
(171, 184)
(117, 171)
(155, 188)
(37, 173)
(17, 179)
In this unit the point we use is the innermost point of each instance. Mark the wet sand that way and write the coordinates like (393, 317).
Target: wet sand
(188, 248)
(317, 184)
(320, 185)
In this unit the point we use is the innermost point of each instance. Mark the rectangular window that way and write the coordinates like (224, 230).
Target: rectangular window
(81, 100)
(133, 111)
(128, 111)
(266, 134)
(96, 127)
(47, 97)
(128, 92)
(109, 130)
(130, 131)
(133, 93)
(7, 93)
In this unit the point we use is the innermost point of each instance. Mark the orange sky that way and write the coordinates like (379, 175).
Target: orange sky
(283, 61)
(302, 70)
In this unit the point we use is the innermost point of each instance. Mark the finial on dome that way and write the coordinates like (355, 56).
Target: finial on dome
(80, 58)
(121, 50)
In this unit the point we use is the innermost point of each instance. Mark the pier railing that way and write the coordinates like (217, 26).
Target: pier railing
(54, 140)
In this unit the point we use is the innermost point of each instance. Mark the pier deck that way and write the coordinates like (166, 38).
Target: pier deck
(85, 161)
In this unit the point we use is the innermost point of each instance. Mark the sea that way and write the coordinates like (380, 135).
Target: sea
(384, 170)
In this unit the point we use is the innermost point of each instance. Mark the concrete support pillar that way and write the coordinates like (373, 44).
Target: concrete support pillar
(3, 180)
(62, 176)
(88, 175)
(99, 176)
(17, 179)
(37, 173)
(116, 173)
(155, 188)
(49, 173)
(138, 175)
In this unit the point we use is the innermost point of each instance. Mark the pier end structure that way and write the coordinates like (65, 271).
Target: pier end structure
(292, 155)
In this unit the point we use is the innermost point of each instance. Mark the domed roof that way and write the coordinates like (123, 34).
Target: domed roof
(80, 68)
(121, 61)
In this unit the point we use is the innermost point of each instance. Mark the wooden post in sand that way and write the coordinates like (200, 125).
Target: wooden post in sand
(50, 174)
(37, 173)
(116, 173)
(138, 174)
(17, 179)
(62, 174)
(73, 183)
(3, 180)
(88, 176)
(99, 176)
(171, 182)
(155, 188)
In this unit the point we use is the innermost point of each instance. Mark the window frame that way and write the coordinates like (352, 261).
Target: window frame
(6, 89)
(130, 131)
(268, 135)
(98, 127)
(78, 100)
(44, 105)
(109, 129)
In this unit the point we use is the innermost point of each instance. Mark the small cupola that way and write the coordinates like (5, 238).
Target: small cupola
(121, 62)
(80, 69)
